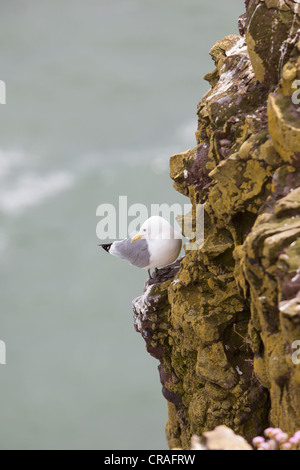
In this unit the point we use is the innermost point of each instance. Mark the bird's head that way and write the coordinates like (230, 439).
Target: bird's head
(155, 228)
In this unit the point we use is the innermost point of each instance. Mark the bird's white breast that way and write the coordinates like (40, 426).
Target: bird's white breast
(163, 252)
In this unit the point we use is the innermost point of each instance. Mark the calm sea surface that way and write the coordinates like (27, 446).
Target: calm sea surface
(99, 95)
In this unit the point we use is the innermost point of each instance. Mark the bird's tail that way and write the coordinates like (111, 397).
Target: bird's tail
(106, 246)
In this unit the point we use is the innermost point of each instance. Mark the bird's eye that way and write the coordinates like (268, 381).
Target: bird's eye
(144, 230)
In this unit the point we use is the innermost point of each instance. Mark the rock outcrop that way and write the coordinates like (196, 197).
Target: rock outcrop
(223, 320)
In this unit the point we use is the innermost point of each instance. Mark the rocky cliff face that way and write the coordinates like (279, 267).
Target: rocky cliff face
(223, 320)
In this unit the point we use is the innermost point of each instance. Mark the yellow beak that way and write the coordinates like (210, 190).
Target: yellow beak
(136, 237)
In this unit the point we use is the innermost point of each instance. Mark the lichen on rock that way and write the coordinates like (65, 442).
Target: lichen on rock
(222, 321)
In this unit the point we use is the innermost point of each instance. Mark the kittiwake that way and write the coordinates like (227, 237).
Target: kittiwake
(157, 244)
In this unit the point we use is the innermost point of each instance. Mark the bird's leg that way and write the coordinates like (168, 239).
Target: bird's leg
(149, 272)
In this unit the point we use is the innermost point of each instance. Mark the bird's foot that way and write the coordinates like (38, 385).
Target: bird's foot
(156, 272)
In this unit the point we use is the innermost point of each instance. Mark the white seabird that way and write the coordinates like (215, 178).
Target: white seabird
(156, 245)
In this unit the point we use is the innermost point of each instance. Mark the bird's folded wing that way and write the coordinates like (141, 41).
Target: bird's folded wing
(137, 253)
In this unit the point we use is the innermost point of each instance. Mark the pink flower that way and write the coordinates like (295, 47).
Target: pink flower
(276, 439)
(272, 432)
(269, 432)
(286, 446)
(264, 446)
(273, 444)
(276, 431)
(257, 441)
(294, 440)
(281, 437)
(297, 436)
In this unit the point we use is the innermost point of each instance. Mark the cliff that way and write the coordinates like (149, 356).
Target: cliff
(222, 321)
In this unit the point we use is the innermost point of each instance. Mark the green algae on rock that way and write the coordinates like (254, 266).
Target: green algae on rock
(223, 320)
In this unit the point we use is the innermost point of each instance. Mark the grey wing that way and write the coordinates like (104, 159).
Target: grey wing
(137, 253)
